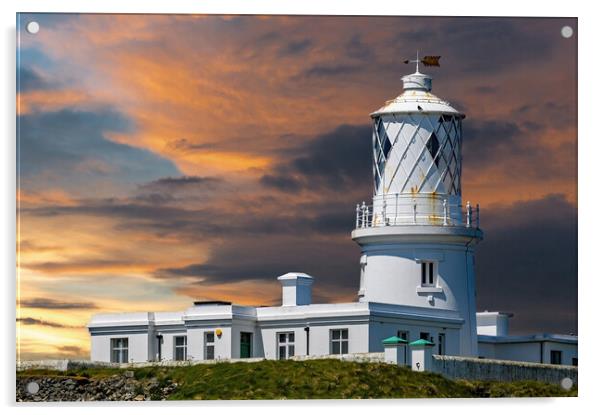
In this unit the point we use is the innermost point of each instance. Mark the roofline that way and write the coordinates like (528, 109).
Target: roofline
(534, 338)
(379, 112)
(310, 312)
(494, 313)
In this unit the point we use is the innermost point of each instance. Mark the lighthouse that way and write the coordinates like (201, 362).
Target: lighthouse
(417, 283)
(418, 237)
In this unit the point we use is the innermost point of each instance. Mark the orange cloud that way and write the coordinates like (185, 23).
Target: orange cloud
(40, 101)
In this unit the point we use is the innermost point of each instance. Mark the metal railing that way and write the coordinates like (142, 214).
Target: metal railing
(407, 211)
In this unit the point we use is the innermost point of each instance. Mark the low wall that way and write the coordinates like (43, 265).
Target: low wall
(376, 357)
(64, 365)
(59, 364)
(456, 367)
(453, 367)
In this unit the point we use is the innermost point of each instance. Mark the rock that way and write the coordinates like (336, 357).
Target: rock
(115, 388)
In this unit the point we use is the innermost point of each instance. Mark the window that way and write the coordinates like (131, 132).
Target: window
(209, 345)
(402, 334)
(339, 341)
(119, 350)
(574, 361)
(555, 357)
(180, 347)
(441, 344)
(286, 345)
(159, 345)
(425, 335)
(382, 148)
(428, 274)
(432, 145)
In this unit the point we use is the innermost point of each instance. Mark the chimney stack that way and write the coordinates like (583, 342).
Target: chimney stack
(296, 288)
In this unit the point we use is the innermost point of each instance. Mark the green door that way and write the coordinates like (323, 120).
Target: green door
(245, 345)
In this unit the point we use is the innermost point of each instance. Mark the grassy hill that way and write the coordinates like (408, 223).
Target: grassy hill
(312, 379)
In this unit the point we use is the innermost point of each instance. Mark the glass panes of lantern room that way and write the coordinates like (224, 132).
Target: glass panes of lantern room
(417, 153)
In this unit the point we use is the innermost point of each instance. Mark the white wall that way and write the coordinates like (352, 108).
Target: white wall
(196, 341)
(569, 351)
(381, 330)
(492, 323)
(532, 351)
(392, 275)
(138, 346)
(319, 338)
(239, 326)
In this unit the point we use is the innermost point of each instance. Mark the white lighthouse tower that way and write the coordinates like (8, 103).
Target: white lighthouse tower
(417, 237)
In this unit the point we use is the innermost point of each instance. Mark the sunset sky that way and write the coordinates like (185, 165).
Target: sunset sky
(165, 159)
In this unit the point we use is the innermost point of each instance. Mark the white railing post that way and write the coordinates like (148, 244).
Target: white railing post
(468, 214)
(478, 216)
(364, 215)
(357, 216)
(444, 212)
(396, 208)
(384, 210)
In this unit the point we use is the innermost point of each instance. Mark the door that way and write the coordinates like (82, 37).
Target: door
(245, 345)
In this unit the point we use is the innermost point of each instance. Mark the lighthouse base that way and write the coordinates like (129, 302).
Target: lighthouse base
(430, 267)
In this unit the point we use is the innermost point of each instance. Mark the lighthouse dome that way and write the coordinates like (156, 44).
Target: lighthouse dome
(417, 98)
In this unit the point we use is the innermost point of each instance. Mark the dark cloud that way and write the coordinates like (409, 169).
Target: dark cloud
(295, 47)
(185, 145)
(483, 46)
(209, 220)
(527, 264)
(552, 114)
(183, 182)
(334, 262)
(357, 48)
(72, 144)
(29, 80)
(30, 321)
(330, 70)
(485, 139)
(285, 183)
(51, 304)
(486, 89)
(516, 145)
(169, 189)
(336, 161)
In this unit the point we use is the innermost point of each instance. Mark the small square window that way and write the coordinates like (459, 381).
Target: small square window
(209, 345)
(339, 341)
(119, 350)
(555, 357)
(428, 274)
(286, 345)
(180, 352)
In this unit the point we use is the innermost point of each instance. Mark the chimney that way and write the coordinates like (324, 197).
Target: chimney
(296, 288)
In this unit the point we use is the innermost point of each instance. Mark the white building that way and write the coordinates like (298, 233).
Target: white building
(417, 270)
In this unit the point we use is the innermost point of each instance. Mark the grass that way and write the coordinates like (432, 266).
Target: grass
(316, 379)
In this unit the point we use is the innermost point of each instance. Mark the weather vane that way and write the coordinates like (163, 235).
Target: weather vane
(426, 61)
